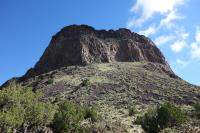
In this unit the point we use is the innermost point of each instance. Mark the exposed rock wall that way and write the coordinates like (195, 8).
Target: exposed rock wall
(82, 45)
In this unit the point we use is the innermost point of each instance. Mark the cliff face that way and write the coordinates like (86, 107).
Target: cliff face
(82, 45)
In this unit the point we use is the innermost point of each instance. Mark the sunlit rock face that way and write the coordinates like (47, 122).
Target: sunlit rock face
(82, 45)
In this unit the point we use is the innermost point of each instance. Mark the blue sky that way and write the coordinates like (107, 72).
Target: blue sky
(26, 27)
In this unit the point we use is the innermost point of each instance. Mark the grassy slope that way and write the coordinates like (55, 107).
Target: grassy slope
(114, 87)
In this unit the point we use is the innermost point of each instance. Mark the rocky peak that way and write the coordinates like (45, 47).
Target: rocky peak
(82, 45)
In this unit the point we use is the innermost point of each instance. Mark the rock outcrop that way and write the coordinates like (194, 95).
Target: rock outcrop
(82, 45)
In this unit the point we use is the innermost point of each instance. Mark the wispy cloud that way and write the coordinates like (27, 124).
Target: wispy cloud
(149, 8)
(197, 37)
(195, 50)
(167, 10)
(171, 16)
(195, 46)
(161, 17)
(180, 38)
(185, 35)
(178, 46)
(163, 39)
(182, 62)
(167, 24)
(148, 31)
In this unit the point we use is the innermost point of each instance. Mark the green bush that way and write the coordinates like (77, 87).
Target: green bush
(197, 109)
(91, 113)
(21, 108)
(85, 82)
(170, 115)
(68, 118)
(149, 121)
(131, 111)
(167, 115)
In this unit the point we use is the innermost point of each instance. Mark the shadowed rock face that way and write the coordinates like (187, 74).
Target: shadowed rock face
(82, 45)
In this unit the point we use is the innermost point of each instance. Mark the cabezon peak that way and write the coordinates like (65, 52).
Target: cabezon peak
(82, 45)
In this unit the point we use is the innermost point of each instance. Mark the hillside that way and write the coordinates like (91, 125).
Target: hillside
(114, 87)
(136, 82)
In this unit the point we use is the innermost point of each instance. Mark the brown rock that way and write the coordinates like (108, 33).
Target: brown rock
(82, 45)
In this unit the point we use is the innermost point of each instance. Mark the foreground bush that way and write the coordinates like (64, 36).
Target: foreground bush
(91, 113)
(131, 111)
(70, 116)
(149, 121)
(67, 118)
(197, 110)
(168, 115)
(21, 109)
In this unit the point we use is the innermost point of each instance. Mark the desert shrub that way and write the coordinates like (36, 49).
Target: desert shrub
(85, 82)
(131, 111)
(197, 109)
(68, 118)
(91, 113)
(169, 115)
(21, 108)
(49, 81)
(149, 121)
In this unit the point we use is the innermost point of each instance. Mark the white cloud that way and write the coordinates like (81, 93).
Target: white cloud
(195, 50)
(163, 39)
(185, 35)
(182, 63)
(195, 46)
(171, 16)
(180, 32)
(149, 31)
(197, 34)
(134, 22)
(150, 7)
(178, 46)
